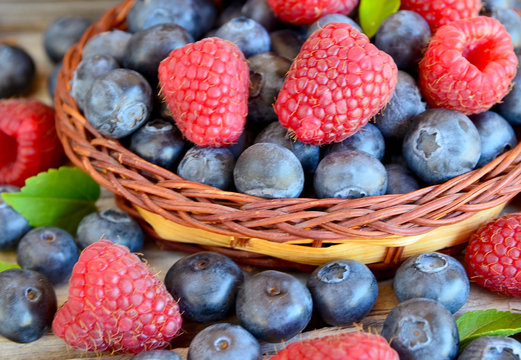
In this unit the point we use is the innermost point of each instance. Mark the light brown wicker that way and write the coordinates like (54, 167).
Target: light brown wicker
(302, 232)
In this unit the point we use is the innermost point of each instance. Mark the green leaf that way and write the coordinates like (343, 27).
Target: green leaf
(6, 266)
(59, 197)
(474, 324)
(373, 12)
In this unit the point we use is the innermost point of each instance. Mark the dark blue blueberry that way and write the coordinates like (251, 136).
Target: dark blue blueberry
(111, 42)
(224, 342)
(274, 306)
(12, 224)
(157, 355)
(62, 34)
(331, 18)
(146, 48)
(267, 73)
(17, 72)
(52, 79)
(261, 12)
(286, 43)
(159, 142)
(250, 36)
(511, 20)
(87, 70)
(349, 174)
(406, 102)
(244, 141)
(434, 276)
(185, 13)
(510, 106)
(496, 134)
(113, 225)
(403, 35)
(400, 180)
(343, 291)
(441, 144)
(308, 154)
(27, 305)
(498, 4)
(270, 171)
(49, 250)
(422, 329)
(118, 103)
(234, 10)
(492, 348)
(208, 12)
(368, 138)
(205, 285)
(207, 165)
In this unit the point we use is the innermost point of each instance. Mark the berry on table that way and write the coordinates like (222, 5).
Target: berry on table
(17, 72)
(305, 12)
(205, 85)
(492, 256)
(13, 226)
(491, 347)
(468, 65)
(335, 85)
(116, 303)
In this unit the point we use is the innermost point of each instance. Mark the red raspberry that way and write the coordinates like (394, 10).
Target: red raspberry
(28, 140)
(116, 303)
(493, 255)
(348, 346)
(205, 85)
(337, 82)
(468, 65)
(305, 12)
(441, 12)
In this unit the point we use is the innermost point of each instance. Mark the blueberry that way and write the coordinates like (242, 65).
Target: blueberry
(510, 106)
(496, 134)
(261, 12)
(434, 276)
(49, 250)
(146, 48)
(406, 102)
(250, 36)
(273, 305)
(267, 73)
(12, 224)
(111, 43)
(400, 180)
(349, 173)
(62, 34)
(229, 12)
(157, 355)
(27, 305)
(207, 165)
(17, 72)
(244, 141)
(343, 291)
(441, 144)
(113, 225)
(159, 142)
(498, 4)
(403, 35)
(205, 285)
(87, 70)
(368, 138)
(511, 20)
(224, 341)
(52, 79)
(422, 329)
(286, 43)
(307, 154)
(492, 348)
(118, 103)
(270, 171)
(331, 18)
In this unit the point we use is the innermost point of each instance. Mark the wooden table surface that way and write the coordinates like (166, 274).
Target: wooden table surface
(22, 22)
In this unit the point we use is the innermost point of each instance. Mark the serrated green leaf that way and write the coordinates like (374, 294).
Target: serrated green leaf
(6, 266)
(474, 324)
(373, 12)
(59, 197)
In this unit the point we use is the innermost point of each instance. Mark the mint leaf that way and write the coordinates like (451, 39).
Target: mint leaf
(373, 12)
(6, 266)
(474, 324)
(59, 197)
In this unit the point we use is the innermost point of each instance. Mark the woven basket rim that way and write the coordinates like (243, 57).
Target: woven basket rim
(230, 213)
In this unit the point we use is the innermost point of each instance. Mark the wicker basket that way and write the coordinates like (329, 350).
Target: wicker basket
(379, 231)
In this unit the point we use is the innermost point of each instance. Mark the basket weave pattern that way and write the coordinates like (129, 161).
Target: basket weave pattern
(314, 222)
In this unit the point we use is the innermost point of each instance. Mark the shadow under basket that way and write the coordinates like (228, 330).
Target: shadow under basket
(301, 233)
